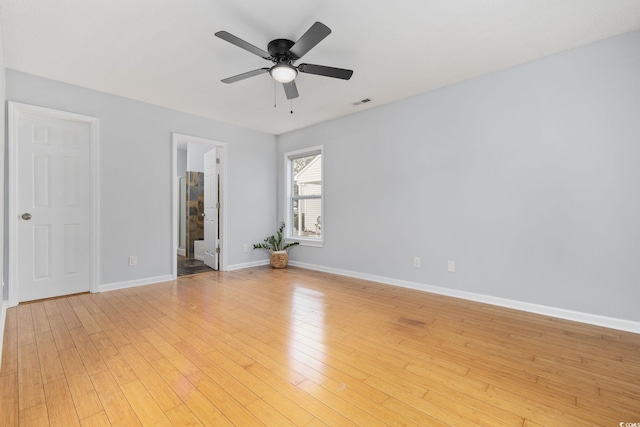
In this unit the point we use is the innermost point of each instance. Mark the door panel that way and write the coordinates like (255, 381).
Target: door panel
(41, 251)
(71, 248)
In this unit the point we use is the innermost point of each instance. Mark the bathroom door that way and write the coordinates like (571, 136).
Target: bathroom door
(211, 208)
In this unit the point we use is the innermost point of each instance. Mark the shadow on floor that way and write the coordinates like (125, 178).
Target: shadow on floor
(187, 266)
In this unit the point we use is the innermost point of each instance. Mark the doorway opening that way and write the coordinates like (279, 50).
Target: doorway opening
(198, 199)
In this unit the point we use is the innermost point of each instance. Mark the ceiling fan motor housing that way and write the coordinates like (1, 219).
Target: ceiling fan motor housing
(279, 50)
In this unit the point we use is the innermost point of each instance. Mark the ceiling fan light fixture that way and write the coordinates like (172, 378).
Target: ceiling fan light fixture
(283, 73)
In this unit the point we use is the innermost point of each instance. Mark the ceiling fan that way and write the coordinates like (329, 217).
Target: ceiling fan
(284, 53)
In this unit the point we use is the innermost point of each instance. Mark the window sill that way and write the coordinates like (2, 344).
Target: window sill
(317, 243)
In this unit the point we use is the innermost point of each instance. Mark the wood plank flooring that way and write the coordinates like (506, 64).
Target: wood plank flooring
(301, 348)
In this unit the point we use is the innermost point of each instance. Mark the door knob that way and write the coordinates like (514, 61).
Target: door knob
(26, 216)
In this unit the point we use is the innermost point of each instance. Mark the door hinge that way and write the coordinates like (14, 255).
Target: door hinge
(218, 250)
(217, 160)
(218, 205)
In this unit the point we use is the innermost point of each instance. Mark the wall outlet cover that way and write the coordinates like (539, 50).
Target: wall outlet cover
(451, 266)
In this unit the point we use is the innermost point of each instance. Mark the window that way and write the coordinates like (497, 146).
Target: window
(303, 189)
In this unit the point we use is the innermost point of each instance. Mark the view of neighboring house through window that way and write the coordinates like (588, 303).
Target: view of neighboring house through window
(304, 200)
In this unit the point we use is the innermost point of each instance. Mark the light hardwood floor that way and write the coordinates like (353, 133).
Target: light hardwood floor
(297, 347)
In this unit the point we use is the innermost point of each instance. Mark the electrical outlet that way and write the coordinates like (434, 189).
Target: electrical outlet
(416, 262)
(133, 261)
(245, 248)
(451, 266)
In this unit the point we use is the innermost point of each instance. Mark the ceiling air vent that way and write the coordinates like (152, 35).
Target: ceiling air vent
(362, 101)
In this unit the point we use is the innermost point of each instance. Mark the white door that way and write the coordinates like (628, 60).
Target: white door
(211, 207)
(52, 197)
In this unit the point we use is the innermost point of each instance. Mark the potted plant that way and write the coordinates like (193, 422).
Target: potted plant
(277, 248)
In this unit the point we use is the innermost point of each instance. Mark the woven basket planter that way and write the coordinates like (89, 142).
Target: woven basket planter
(279, 259)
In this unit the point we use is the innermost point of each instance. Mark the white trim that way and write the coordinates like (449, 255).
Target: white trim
(304, 241)
(180, 251)
(134, 283)
(3, 316)
(15, 108)
(248, 265)
(576, 316)
(222, 152)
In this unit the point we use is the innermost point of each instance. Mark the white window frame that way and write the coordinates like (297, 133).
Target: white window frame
(288, 192)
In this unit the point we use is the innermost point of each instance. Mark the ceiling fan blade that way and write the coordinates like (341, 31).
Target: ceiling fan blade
(312, 37)
(322, 70)
(290, 89)
(242, 44)
(245, 75)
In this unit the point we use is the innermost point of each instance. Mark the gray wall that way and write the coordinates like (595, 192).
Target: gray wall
(181, 169)
(195, 156)
(528, 179)
(136, 181)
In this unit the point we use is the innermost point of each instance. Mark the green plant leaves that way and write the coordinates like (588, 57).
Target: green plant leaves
(275, 243)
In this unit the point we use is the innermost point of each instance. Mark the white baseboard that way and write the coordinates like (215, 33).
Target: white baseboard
(592, 319)
(182, 252)
(247, 265)
(3, 316)
(134, 283)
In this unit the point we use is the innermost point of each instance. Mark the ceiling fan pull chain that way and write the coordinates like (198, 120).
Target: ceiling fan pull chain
(274, 95)
(292, 106)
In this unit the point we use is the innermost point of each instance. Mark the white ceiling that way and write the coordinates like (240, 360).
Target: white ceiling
(164, 51)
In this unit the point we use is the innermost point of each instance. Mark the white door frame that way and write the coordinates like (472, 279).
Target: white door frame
(179, 139)
(15, 108)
